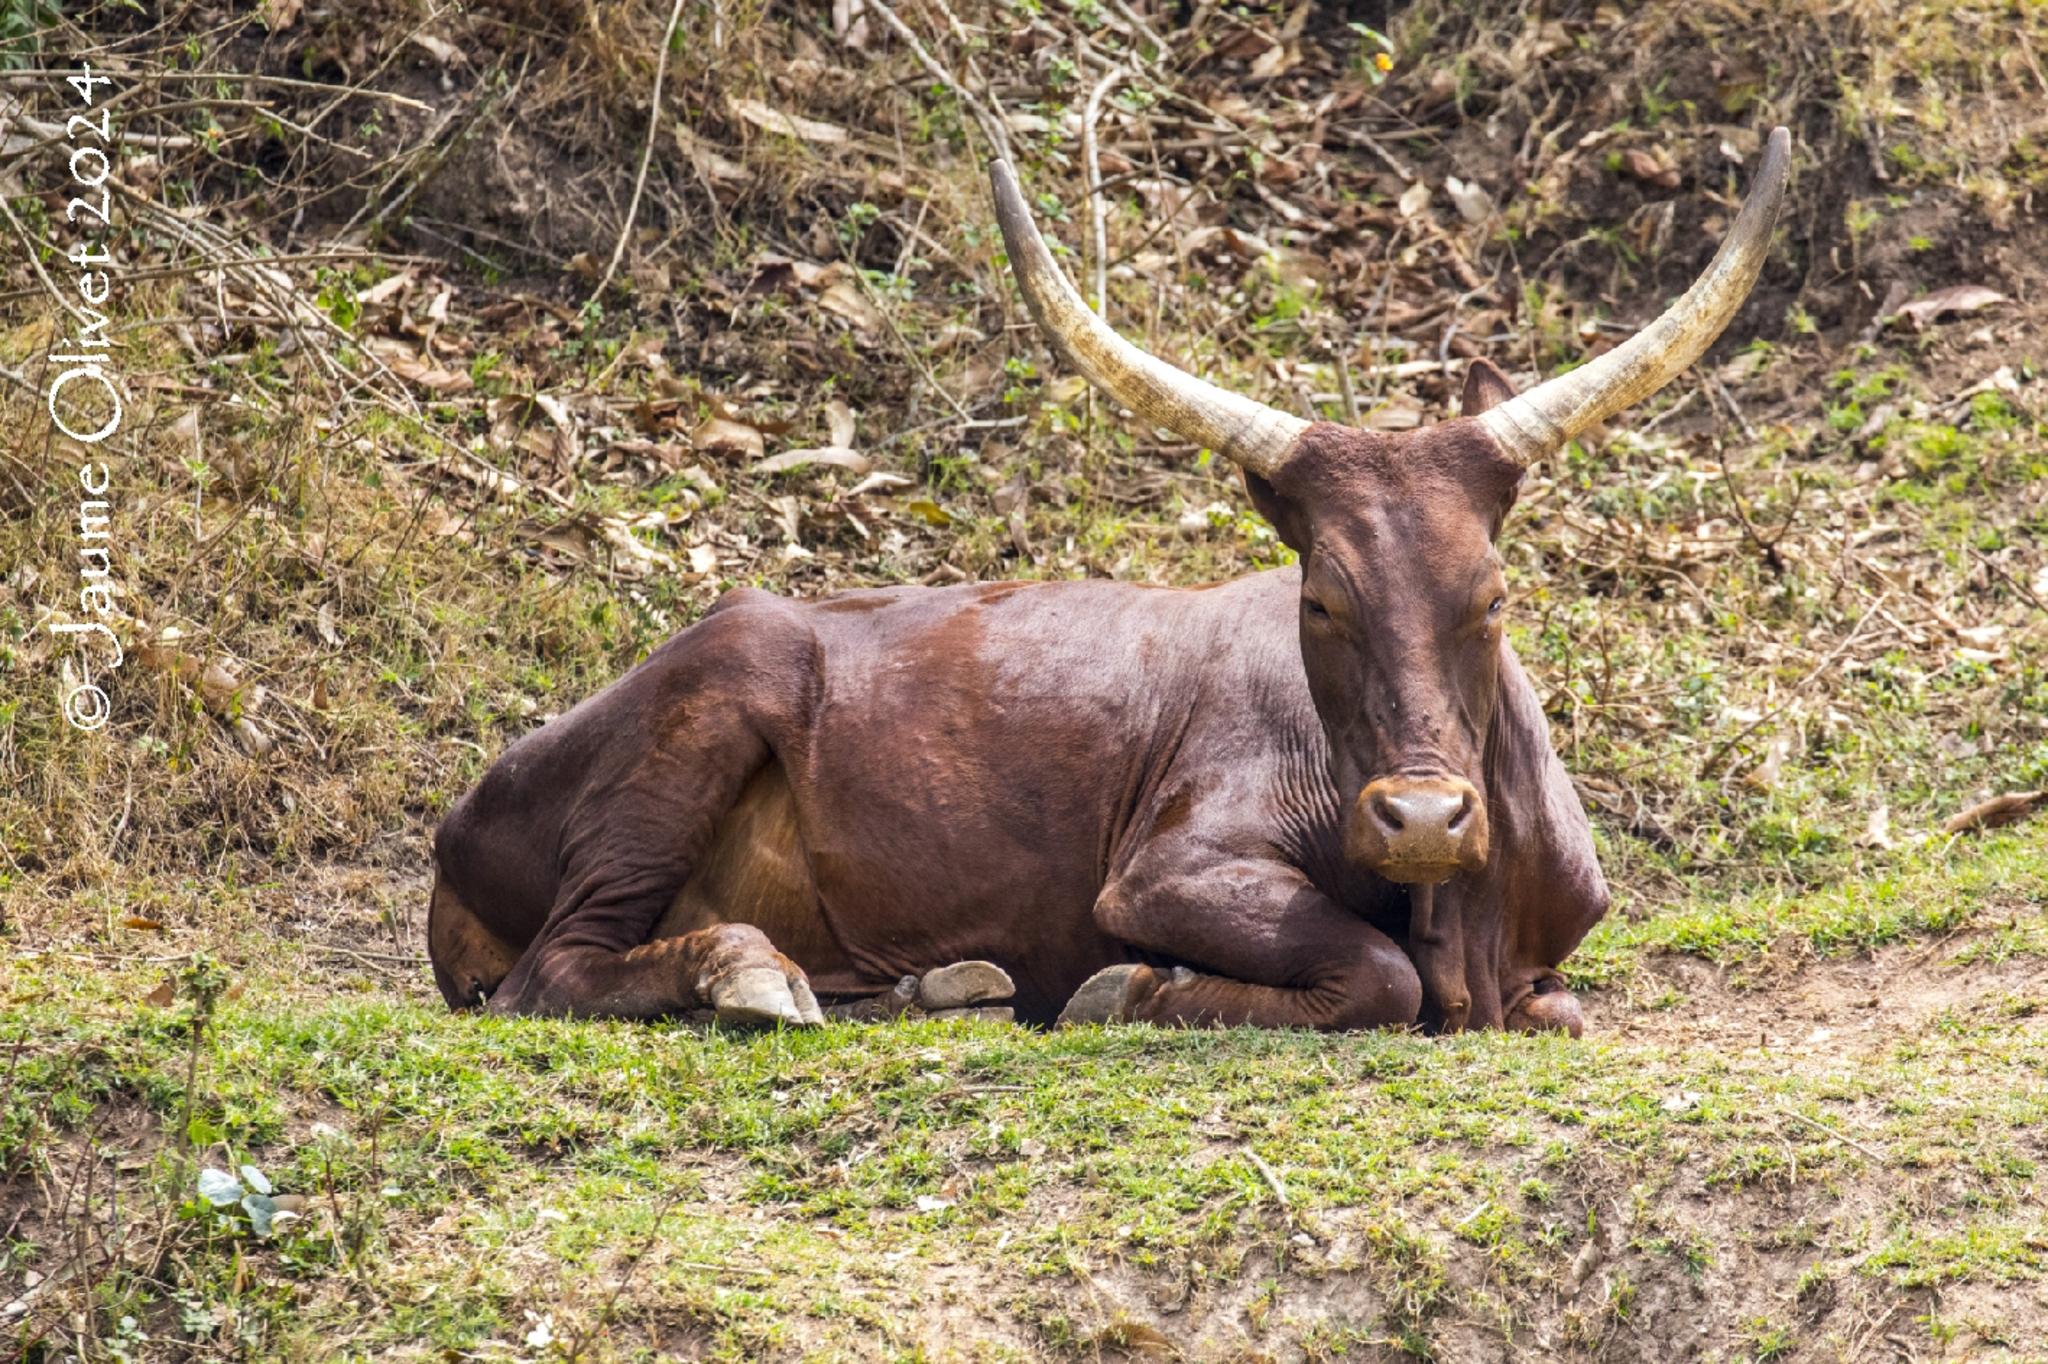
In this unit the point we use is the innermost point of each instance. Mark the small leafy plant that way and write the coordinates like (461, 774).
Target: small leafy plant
(246, 1202)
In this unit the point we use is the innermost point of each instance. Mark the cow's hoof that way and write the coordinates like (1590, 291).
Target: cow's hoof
(1103, 998)
(983, 1014)
(962, 984)
(1554, 1009)
(761, 996)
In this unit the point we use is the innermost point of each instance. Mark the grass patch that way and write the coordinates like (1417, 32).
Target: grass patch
(475, 1183)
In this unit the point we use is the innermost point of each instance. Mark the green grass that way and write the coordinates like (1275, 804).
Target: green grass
(850, 1192)
(1998, 884)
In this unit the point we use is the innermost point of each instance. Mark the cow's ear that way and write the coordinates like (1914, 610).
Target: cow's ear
(1506, 505)
(1485, 386)
(1288, 522)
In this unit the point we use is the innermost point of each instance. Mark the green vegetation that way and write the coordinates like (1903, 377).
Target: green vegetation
(468, 1182)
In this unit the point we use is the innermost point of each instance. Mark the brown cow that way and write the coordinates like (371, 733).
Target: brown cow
(1321, 796)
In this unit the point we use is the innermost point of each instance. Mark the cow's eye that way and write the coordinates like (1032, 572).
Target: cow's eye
(1314, 609)
(1495, 607)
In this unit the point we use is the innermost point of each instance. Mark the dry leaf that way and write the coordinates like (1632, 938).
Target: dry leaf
(161, 996)
(847, 301)
(1136, 1338)
(1402, 412)
(703, 559)
(1765, 774)
(719, 436)
(879, 483)
(712, 163)
(566, 446)
(1649, 169)
(1980, 636)
(401, 360)
(1413, 200)
(850, 23)
(788, 125)
(186, 428)
(1272, 62)
(775, 271)
(1744, 367)
(137, 921)
(252, 739)
(1960, 298)
(1877, 833)
(839, 420)
(218, 684)
(2000, 380)
(837, 457)
(384, 290)
(1474, 204)
(440, 49)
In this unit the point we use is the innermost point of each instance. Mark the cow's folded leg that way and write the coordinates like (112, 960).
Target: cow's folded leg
(1261, 946)
(730, 969)
(1377, 992)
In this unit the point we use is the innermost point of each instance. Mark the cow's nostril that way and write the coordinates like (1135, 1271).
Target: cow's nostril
(1383, 811)
(1461, 815)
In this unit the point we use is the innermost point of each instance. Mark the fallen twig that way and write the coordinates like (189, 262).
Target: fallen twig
(1092, 165)
(1820, 1126)
(1272, 1178)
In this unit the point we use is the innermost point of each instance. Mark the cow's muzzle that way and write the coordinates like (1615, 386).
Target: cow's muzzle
(1418, 830)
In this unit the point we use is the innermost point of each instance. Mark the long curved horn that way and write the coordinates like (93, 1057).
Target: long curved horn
(1256, 436)
(1540, 421)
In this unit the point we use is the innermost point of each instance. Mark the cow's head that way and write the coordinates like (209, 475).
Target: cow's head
(1402, 592)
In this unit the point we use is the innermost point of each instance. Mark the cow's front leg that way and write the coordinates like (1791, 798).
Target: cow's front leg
(1469, 940)
(1256, 944)
(1541, 891)
(729, 969)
